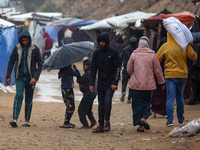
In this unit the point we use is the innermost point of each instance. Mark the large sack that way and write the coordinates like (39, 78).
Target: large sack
(189, 129)
(179, 32)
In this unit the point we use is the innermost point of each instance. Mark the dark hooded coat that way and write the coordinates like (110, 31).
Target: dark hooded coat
(85, 81)
(126, 53)
(106, 62)
(34, 60)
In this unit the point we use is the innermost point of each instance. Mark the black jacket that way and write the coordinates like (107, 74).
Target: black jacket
(106, 63)
(125, 55)
(85, 81)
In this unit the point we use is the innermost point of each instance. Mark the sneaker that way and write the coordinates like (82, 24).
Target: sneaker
(98, 130)
(107, 126)
(123, 96)
(181, 122)
(170, 124)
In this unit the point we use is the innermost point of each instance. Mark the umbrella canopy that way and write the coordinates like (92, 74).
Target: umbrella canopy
(68, 54)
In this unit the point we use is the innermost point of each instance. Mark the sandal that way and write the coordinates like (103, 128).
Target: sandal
(139, 130)
(98, 130)
(26, 124)
(13, 123)
(69, 125)
(145, 124)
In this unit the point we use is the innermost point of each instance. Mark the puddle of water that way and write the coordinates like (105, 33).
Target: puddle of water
(48, 87)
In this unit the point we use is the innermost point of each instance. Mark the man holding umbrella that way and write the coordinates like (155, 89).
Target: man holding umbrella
(105, 60)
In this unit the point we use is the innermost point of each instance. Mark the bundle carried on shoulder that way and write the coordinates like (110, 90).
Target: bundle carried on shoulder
(179, 32)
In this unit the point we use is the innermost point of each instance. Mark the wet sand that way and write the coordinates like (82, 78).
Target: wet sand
(46, 118)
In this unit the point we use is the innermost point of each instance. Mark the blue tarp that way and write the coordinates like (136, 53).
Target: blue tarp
(53, 32)
(8, 40)
(83, 23)
(53, 29)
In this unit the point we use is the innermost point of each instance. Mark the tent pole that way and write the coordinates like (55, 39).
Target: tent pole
(159, 34)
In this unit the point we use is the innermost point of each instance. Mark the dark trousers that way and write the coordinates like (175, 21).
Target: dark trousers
(104, 104)
(68, 98)
(45, 54)
(195, 92)
(125, 78)
(85, 108)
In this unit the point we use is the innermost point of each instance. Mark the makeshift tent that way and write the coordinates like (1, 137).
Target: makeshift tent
(54, 27)
(83, 23)
(185, 17)
(37, 21)
(155, 24)
(8, 40)
(120, 22)
(32, 15)
(4, 3)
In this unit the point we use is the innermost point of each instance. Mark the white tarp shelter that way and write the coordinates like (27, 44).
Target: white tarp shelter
(5, 24)
(120, 22)
(4, 3)
(23, 17)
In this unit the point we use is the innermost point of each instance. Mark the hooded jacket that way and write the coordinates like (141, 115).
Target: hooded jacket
(85, 81)
(106, 61)
(126, 53)
(175, 58)
(34, 60)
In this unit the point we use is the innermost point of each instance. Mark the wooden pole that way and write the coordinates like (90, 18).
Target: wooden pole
(152, 37)
(159, 34)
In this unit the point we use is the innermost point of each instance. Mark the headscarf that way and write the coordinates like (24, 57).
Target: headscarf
(143, 42)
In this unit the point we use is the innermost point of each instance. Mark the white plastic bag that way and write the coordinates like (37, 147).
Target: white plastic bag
(179, 32)
(188, 130)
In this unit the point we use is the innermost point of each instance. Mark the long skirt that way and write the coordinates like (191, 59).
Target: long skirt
(141, 101)
(158, 100)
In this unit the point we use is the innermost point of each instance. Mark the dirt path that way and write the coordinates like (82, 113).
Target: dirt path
(46, 117)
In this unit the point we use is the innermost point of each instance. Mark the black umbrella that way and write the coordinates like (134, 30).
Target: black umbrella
(68, 54)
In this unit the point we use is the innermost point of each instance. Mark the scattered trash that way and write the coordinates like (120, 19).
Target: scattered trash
(146, 139)
(192, 128)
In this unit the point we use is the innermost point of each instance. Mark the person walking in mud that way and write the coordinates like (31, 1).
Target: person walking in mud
(67, 84)
(142, 67)
(85, 106)
(176, 73)
(106, 62)
(28, 66)
(124, 57)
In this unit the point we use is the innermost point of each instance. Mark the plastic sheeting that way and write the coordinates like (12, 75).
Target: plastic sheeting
(120, 22)
(8, 40)
(52, 30)
(185, 17)
(37, 37)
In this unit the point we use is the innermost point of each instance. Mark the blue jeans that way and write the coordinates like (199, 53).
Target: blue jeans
(175, 88)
